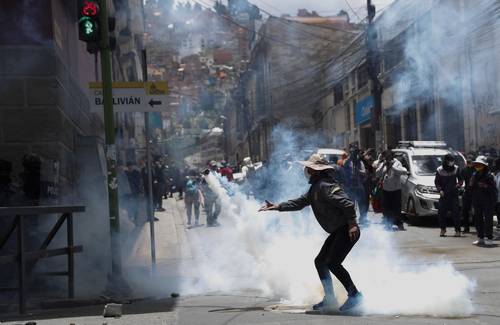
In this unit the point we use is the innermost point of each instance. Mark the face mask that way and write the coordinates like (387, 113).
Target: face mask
(306, 173)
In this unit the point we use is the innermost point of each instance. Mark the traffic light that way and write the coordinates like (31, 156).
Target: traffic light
(88, 24)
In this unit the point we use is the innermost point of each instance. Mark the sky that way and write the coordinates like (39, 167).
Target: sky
(323, 7)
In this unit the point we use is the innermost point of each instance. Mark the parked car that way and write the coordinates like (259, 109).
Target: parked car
(332, 155)
(419, 195)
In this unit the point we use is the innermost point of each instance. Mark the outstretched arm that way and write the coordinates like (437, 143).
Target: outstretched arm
(291, 205)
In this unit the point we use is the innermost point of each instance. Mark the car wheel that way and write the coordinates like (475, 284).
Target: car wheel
(411, 211)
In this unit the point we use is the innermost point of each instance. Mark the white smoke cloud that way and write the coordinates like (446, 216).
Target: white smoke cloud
(274, 253)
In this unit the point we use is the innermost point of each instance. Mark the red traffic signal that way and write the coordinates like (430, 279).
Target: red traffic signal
(89, 8)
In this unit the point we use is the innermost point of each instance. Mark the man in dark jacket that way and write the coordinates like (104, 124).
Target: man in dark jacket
(354, 181)
(466, 175)
(484, 197)
(134, 180)
(448, 181)
(336, 214)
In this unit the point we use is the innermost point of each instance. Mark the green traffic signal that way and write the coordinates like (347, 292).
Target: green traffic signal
(88, 29)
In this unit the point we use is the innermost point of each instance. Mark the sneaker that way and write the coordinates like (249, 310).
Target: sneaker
(395, 228)
(325, 305)
(466, 230)
(352, 301)
(457, 234)
(442, 233)
(401, 227)
(488, 242)
(480, 241)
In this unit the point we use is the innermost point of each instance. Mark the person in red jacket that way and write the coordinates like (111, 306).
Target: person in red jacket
(226, 171)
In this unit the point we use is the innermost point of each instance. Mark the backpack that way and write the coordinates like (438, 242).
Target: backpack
(191, 188)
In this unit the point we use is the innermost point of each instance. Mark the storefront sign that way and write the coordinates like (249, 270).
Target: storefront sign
(363, 110)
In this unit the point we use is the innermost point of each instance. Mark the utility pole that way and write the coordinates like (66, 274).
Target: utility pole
(116, 284)
(373, 65)
(150, 208)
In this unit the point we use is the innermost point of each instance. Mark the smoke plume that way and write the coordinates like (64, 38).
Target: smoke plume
(274, 253)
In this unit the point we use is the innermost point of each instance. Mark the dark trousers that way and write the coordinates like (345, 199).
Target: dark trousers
(483, 214)
(331, 256)
(449, 203)
(212, 209)
(497, 213)
(358, 194)
(192, 204)
(466, 209)
(391, 206)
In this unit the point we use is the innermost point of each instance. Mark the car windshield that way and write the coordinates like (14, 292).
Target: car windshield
(426, 165)
(332, 159)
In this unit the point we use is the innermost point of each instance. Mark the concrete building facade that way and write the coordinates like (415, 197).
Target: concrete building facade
(44, 110)
(439, 79)
(284, 79)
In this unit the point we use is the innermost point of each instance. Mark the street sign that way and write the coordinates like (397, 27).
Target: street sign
(148, 96)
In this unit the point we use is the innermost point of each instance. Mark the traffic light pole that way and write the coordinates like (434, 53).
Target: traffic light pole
(116, 284)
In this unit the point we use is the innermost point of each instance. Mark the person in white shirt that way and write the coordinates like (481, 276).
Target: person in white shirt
(390, 171)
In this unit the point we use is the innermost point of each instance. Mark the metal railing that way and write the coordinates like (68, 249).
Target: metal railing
(26, 260)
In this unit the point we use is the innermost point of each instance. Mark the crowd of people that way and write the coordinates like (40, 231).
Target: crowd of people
(368, 178)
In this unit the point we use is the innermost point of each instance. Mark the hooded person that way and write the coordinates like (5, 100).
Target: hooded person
(448, 180)
(335, 212)
(484, 196)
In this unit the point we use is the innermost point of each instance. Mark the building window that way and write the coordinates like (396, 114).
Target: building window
(394, 51)
(348, 116)
(362, 76)
(338, 93)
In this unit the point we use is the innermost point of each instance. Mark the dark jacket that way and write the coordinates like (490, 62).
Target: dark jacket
(134, 179)
(466, 175)
(483, 188)
(330, 204)
(448, 180)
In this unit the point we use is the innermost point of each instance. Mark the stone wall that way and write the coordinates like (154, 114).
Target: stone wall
(42, 109)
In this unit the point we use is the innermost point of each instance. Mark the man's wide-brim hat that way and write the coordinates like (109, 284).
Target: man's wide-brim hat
(481, 160)
(316, 162)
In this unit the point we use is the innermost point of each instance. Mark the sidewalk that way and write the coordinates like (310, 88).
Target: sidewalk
(158, 307)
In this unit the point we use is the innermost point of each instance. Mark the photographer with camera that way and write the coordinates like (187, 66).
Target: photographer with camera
(390, 171)
(354, 180)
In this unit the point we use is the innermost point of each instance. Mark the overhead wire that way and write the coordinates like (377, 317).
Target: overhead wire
(232, 21)
(328, 82)
(353, 11)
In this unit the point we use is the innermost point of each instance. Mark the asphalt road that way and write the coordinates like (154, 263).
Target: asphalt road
(480, 264)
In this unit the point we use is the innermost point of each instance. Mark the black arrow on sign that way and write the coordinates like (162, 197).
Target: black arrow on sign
(153, 102)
